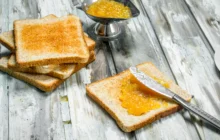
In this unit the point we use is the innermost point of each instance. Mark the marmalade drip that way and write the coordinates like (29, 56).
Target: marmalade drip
(136, 100)
(109, 9)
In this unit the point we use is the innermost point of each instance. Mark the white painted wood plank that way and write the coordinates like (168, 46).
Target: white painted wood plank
(88, 119)
(81, 120)
(188, 54)
(4, 21)
(59, 8)
(50, 111)
(32, 113)
(3, 107)
(207, 14)
(3, 77)
(138, 45)
(68, 132)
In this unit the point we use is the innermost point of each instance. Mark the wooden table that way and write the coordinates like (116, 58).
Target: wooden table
(178, 36)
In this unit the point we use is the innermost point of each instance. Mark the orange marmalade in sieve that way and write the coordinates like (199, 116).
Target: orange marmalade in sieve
(137, 99)
(109, 9)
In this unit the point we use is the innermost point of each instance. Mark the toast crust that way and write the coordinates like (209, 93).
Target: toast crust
(54, 41)
(43, 82)
(128, 122)
(34, 70)
(66, 70)
(90, 43)
(155, 117)
(7, 39)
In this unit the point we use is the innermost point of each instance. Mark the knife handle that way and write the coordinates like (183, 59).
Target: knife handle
(205, 116)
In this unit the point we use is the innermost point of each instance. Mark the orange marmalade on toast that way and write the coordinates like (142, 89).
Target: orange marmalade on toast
(109, 9)
(137, 99)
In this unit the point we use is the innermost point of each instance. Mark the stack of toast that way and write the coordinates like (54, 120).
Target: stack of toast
(45, 52)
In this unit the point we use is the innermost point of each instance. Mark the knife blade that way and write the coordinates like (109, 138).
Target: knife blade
(155, 86)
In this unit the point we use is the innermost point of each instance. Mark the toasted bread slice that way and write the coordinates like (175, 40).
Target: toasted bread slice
(106, 93)
(66, 70)
(35, 69)
(47, 68)
(54, 41)
(89, 42)
(7, 38)
(43, 82)
(61, 71)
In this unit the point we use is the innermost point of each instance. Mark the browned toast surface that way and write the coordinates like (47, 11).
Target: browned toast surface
(7, 38)
(54, 41)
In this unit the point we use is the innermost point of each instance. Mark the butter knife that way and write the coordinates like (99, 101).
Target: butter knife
(155, 86)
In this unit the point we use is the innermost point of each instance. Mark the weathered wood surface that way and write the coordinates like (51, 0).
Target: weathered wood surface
(207, 14)
(165, 33)
(32, 114)
(4, 78)
(188, 54)
(139, 45)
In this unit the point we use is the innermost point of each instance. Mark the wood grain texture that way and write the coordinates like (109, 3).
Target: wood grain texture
(88, 119)
(139, 44)
(32, 113)
(207, 14)
(3, 77)
(165, 33)
(188, 54)
(3, 107)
